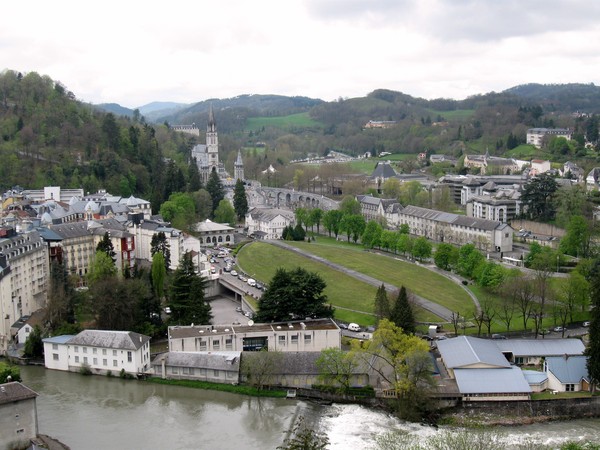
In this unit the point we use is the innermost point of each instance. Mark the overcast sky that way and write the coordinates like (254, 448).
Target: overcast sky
(134, 52)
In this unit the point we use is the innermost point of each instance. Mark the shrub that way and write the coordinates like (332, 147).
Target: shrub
(85, 369)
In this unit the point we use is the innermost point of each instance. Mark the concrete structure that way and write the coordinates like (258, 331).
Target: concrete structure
(145, 230)
(535, 136)
(279, 198)
(487, 235)
(501, 204)
(18, 415)
(23, 278)
(304, 336)
(212, 234)
(465, 187)
(99, 350)
(214, 367)
(189, 129)
(263, 223)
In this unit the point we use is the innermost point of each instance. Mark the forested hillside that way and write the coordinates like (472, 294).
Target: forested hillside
(50, 138)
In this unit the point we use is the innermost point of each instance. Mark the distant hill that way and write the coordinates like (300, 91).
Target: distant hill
(115, 108)
(570, 97)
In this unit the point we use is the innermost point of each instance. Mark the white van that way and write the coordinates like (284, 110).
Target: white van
(353, 327)
(251, 282)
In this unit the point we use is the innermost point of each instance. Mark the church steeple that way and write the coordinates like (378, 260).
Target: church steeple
(238, 167)
(212, 143)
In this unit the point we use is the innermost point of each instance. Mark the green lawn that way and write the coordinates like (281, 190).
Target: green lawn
(419, 280)
(353, 298)
(457, 115)
(300, 120)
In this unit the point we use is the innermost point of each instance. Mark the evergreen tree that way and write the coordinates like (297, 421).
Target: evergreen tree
(194, 180)
(299, 234)
(225, 213)
(215, 189)
(240, 201)
(106, 246)
(593, 349)
(295, 293)
(60, 307)
(382, 304)
(187, 295)
(160, 244)
(159, 273)
(402, 314)
(34, 347)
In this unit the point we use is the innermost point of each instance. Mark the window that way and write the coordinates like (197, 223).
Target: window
(114, 363)
(85, 360)
(282, 340)
(94, 350)
(114, 353)
(76, 349)
(294, 339)
(307, 338)
(229, 343)
(105, 362)
(569, 387)
(174, 370)
(185, 370)
(202, 371)
(54, 346)
(104, 351)
(84, 349)
(216, 345)
(77, 359)
(95, 361)
(191, 370)
(55, 356)
(129, 357)
(216, 373)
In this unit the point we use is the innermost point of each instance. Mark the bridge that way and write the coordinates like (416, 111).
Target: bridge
(289, 199)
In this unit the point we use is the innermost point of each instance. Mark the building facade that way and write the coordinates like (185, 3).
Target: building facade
(266, 223)
(294, 336)
(18, 415)
(100, 351)
(535, 136)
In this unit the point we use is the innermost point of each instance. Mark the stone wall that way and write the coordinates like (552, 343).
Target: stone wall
(543, 229)
(554, 408)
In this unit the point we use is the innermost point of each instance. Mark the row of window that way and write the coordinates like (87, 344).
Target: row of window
(200, 372)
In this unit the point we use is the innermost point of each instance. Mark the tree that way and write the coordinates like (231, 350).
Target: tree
(160, 244)
(576, 240)
(593, 349)
(106, 246)
(115, 302)
(180, 210)
(295, 293)
(225, 213)
(301, 215)
(194, 180)
(336, 367)
(240, 201)
(203, 204)
(445, 256)
(259, 368)
(421, 248)
(349, 205)
(537, 197)
(159, 273)
(353, 225)
(468, 260)
(304, 438)
(316, 216)
(371, 237)
(186, 299)
(332, 220)
(402, 361)
(405, 244)
(34, 347)
(402, 314)
(102, 267)
(60, 308)
(382, 304)
(215, 189)
(389, 240)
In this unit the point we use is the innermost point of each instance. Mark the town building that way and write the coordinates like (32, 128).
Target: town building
(464, 187)
(567, 373)
(293, 336)
(536, 136)
(379, 209)
(268, 223)
(100, 351)
(592, 181)
(145, 230)
(491, 165)
(539, 166)
(379, 124)
(238, 167)
(494, 203)
(18, 415)
(213, 367)
(206, 156)
(212, 234)
(486, 235)
(23, 277)
(572, 171)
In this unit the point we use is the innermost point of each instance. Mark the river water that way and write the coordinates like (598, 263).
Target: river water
(97, 412)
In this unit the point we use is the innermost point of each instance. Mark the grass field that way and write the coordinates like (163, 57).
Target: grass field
(353, 298)
(457, 115)
(300, 120)
(526, 151)
(419, 280)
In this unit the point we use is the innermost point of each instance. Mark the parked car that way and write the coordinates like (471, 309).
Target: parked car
(498, 336)
(167, 310)
(234, 273)
(259, 285)
(559, 329)
(586, 324)
(251, 282)
(354, 327)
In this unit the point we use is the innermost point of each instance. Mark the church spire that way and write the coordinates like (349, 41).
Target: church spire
(212, 125)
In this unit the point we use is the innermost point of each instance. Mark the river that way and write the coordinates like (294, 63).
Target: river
(97, 412)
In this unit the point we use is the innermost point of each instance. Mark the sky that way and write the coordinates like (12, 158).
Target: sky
(135, 52)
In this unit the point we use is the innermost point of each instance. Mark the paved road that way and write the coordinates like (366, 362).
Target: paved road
(438, 310)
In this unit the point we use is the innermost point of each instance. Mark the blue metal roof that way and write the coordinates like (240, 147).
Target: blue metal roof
(491, 381)
(58, 339)
(568, 370)
(465, 351)
(541, 347)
